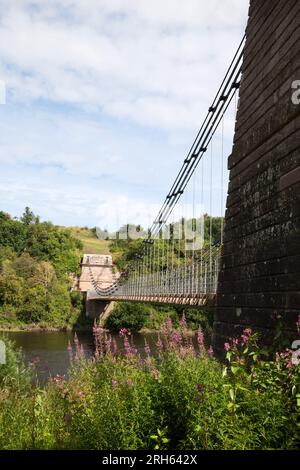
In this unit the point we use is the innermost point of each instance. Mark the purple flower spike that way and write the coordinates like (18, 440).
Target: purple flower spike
(159, 344)
(114, 382)
(70, 351)
(114, 348)
(123, 332)
(298, 324)
(147, 348)
(246, 336)
(182, 322)
(200, 337)
(176, 338)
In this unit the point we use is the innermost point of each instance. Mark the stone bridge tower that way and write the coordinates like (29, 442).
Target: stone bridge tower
(260, 265)
(101, 267)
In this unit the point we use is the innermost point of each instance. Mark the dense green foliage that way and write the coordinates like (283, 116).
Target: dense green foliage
(36, 260)
(182, 399)
(125, 248)
(137, 316)
(42, 241)
(127, 315)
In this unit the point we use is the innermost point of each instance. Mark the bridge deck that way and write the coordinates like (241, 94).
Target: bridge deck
(207, 300)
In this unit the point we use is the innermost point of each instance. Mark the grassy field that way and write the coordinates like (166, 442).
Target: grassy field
(91, 244)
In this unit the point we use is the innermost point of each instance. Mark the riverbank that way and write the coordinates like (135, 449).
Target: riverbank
(41, 327)
(84, 328)
(149, 331)
(15, 327)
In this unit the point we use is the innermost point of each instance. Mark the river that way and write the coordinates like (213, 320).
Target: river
(48, 349)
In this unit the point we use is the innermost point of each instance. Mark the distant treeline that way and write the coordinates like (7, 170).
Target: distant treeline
(125, 249)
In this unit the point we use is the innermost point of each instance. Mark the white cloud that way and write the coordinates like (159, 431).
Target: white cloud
(151, 61)
(104, 98)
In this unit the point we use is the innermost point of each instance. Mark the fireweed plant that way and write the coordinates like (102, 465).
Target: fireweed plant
(176, 397)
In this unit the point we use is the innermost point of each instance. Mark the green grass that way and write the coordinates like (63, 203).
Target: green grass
(91, 244)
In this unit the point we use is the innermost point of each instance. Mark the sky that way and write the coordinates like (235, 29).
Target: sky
(103, 99)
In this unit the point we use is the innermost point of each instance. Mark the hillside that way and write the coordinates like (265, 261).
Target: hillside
(91, 244)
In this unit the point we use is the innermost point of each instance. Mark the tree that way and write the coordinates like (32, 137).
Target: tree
(12, 234)
(6, 253)
(59, 303)
(25, 266)
(45, 274)
(4, 216)
(34, 308)
(28, 217)
(48, 243)
(12, 289)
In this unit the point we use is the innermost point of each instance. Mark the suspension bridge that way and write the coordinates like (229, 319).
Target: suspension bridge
(250, 270)
(163, 271)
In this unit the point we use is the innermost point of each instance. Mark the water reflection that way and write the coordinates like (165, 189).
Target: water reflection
(49, 348)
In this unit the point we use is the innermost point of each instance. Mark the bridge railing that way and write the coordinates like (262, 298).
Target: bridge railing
(195, 279)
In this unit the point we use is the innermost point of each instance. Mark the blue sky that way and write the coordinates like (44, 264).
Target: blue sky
(103, 100)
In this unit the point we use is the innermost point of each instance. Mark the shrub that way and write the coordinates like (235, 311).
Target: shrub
(13, 373)
(127, 315)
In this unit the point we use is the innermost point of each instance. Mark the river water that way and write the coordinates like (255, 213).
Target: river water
(48, 349)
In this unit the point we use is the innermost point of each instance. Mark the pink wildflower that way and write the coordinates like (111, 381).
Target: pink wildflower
(58, 379)
(246, 336)
(114, 382)
(130, 350)
(210, 352)
(277, 357)
(70, 351)
(176, 338)
(298, 324)
(167, 327)
(140, 363)
(227, 346)
(97, 329)
(114, 348)
(147, 348)
(79, 353)
(98, 333)
(123, 332)
(127, 347)
(182, 322)
(108, 345)
(148, 362)
(159, 344)
(200, 337)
